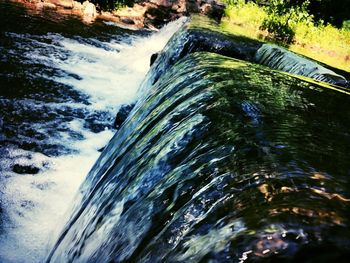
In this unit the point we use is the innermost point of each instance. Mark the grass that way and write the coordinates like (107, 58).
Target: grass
(323, 43)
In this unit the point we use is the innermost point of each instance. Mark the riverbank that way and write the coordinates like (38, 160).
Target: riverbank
(323, 43)
(149, 14)
(86, 11)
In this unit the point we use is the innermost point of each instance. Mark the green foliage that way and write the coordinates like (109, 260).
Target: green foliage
(346, 25)
(286, 22)
(330, 11)
(282, 19)
(235, 2)
(248, 14)
(111, 4)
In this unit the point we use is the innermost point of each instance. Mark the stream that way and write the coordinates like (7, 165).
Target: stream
(226, 156)
(61, 85)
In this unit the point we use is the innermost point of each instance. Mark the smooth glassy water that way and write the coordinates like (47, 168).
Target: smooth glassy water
(220, 161)
(61, 84)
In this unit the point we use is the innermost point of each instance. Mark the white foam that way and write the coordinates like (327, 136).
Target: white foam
(110, 77)
(35, 204)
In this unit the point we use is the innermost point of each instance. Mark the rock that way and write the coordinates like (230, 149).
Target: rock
(213, 10)
(128, 21)
(130, 17)
(159, 15)
(67, 4)
(49, 6)
(160, 12)
(89, 9)
(122, 114)
(94, 125)
(77, 5)
(151, 14)
(166, 3)
(179, 6)
(25, 169)
(153, 58)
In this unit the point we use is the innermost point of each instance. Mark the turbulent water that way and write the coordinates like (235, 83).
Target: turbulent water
(61, 84)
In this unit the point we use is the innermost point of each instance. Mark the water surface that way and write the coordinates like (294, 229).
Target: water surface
(61, 84)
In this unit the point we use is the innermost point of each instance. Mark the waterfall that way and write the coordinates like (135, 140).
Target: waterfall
(279, 58)
(72, 88)
(220, 160)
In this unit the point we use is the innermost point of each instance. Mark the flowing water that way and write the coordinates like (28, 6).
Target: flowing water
(279, 58)
(221, 160)
(61, 84)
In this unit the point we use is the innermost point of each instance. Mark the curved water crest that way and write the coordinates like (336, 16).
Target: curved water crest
(220, 161)
(278, 58)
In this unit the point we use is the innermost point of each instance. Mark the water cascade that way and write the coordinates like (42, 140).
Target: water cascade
(203, 35)
(221, 160)
(61, 85)
(278, 58)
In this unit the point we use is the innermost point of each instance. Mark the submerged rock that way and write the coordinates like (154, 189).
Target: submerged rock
(25, 169)
(153, 58)
(122, 114)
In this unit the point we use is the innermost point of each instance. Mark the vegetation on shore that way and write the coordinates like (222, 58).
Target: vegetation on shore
(318, 29)
(112, 4)
(292, 26)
